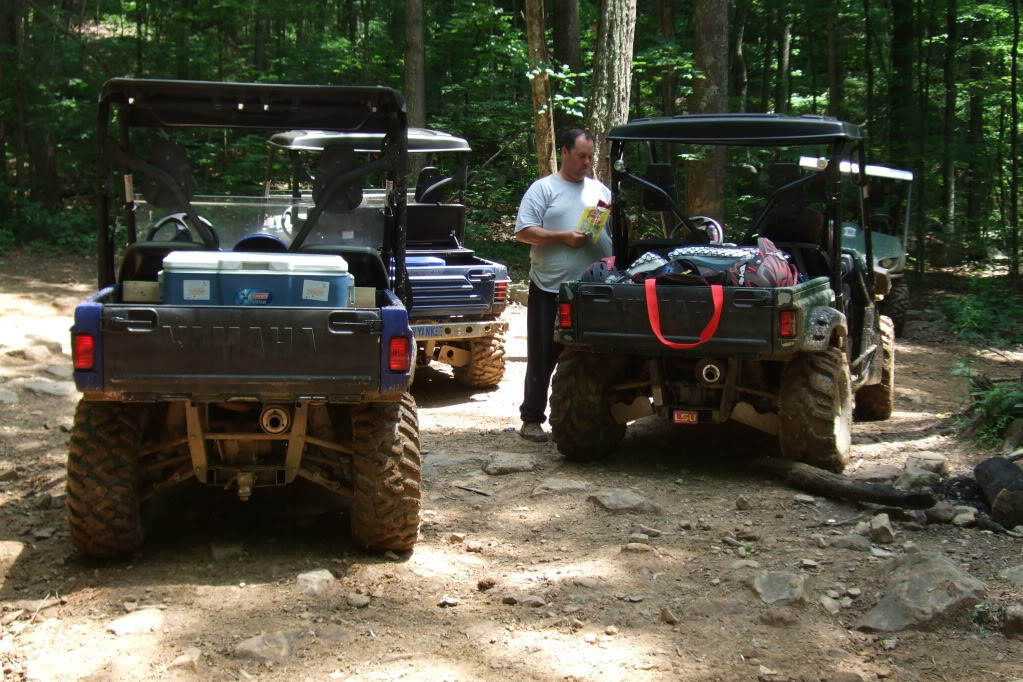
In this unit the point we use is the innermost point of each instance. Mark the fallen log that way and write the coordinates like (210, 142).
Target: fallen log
(1001, 481)
(836, 486)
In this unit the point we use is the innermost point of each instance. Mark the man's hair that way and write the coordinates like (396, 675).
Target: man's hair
(567, 138)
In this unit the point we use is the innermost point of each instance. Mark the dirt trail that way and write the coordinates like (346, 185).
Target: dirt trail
(508, 582)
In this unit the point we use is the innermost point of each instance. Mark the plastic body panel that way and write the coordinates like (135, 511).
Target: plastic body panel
(612, 318)
(460, 287)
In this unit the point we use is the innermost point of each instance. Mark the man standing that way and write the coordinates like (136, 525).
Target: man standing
(553, 210)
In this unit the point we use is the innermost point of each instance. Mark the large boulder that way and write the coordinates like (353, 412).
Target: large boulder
(922, 587)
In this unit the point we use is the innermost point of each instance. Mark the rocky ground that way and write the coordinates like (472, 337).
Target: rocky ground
(672, 560)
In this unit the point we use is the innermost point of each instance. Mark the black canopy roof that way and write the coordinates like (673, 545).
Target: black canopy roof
(172, 103)
(420, 140)
(739, 129)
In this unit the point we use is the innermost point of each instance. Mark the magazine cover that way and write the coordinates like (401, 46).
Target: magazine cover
(592, 221)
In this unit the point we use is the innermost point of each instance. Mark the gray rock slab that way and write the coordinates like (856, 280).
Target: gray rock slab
(8, 397)
(622, 499)
(314, 583)
(275, 646)
(143, 620)
(559, 486)
(942, 512)
(188, 660)
(965, 516)
(501, 463)
(1014, 575)
(61, 371)
(1012, 621)
(916, 478)
(882, 473)
(1013, 437)
(38, 353)
(50, 387)
(856, 543)
(922, 587)
(780, 587)
(928, 461)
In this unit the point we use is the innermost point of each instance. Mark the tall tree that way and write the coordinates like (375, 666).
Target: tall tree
(739, 78)
(1014, 152)
(612, 77)
(540, 87)
(415, 61)
(781, 93)
(705, 183)
(666, 14)
(836, 75)
(948, 185)
(567, 50)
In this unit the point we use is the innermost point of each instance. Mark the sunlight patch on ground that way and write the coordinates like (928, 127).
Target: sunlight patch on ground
(428, 562)
(25, 317)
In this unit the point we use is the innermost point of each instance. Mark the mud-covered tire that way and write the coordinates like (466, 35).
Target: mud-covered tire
(896, 306)
(386, 475)
(815, 415)
(875, 402)
(486, 362)
(581, 394)
(104, 509)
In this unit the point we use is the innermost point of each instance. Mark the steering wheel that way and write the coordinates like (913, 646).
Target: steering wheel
(182, 232)
(710, 227)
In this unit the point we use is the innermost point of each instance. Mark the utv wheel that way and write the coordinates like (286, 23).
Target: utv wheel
(103, 479)
(816, 410)
(874, 402)
(486, 364)
(386, 475)
(896, 306)
(581, 396)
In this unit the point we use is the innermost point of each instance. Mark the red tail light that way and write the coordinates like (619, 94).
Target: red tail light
(565, 315)
(83, 351)
(787, 323)
(500, 292)
(399, 358)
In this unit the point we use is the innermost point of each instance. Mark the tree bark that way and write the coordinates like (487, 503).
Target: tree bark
(1014, 152)
(612, 77)
(900, 85)
(415, 64)
(836, 76)
(567, 50)
(781, 96)
(868, 65)
(541, 88)
(666, 15)
(706, 178)
(839, 487)
(738, 57)
(948, 185)
(976, 174)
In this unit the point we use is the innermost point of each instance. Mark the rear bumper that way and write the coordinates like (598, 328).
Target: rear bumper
(433, 331)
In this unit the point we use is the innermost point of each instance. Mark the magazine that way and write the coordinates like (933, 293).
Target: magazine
(592, 221)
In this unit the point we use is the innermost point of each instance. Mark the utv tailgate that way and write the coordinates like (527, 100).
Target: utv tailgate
(613, 317)
(241, 352)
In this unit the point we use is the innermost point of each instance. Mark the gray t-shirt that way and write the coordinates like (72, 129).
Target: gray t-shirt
(556, 204)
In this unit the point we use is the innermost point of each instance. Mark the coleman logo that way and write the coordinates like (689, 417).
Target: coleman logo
(252, 297)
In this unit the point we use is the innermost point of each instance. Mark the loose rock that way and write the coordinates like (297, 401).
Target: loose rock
(1014, 575)
(50, 387)
(314, 583)
(882, 473)
(667, 616)
(502, 463)
(780, 587)
(928, 461)
(621, 499)
(144, 620)
(1012, 621)
(188, 660)
(916, 478)
(275, 647)
(742, 503)
(359, 601)
(856, 543)
(637, 547)
(942, 512)
(8, 397)
(965, 516)
(559, 486)
(881, 530)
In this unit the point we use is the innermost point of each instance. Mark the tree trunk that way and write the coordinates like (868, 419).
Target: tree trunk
(666, 14)
(738, 57)
(541, 88)
(1014, 153)
(976, 174)
(868, 65)
(612, 72)
(415, 60)
(900, 85)
(1001, 481)
(567, 51)
(706, 178)
(839, 487)
(781, 96)
(836, 77)
(948, 194)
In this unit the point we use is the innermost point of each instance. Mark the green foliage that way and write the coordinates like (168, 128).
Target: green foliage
(987, 312)
(997, 406)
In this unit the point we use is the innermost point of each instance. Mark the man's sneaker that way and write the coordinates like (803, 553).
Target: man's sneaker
(534, 432)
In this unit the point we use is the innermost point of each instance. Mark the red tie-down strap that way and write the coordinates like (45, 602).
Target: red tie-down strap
(717, 294)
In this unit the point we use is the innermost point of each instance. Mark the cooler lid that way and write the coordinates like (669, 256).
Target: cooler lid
(233, 261)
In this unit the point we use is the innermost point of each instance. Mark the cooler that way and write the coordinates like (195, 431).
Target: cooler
(424, 262)
(255, 279)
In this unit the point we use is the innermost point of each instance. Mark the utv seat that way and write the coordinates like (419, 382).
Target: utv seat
(143, 261)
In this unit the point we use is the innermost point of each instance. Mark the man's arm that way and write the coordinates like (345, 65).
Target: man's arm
(540, 236)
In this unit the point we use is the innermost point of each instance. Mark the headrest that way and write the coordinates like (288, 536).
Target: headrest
(172, 158)
(335, 161)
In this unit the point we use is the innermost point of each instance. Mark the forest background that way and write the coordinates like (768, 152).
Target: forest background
(934, 83)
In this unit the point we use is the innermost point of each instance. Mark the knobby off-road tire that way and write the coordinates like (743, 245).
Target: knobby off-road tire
(486, 364)
(386, 475)
(103, 479)
(875, 402)
(581, 394)
(816, 410)
(896, 306)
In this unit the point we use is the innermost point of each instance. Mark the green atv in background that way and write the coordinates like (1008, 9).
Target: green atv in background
(888, 209)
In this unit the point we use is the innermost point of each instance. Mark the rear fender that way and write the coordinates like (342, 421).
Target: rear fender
(823, 324)
(395, 323)
(88, 316)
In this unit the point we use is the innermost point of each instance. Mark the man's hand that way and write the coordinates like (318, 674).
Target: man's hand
(535, 235)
